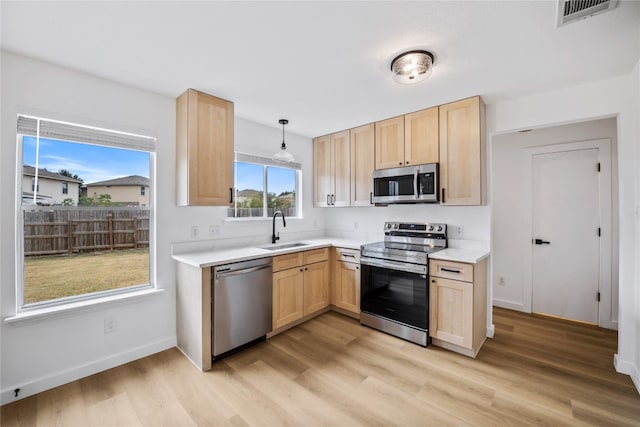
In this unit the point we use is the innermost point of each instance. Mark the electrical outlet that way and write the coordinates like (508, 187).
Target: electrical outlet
(194, 231)
(502, 281)
(214, 230)
(355, 225)
(459, 230)
(110, 324)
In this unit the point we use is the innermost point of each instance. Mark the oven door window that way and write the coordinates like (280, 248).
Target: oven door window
(396, 295)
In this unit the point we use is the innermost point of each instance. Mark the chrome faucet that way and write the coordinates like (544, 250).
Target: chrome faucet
(274, 238)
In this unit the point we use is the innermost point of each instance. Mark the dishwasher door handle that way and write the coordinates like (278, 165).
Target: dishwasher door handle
(244, 271)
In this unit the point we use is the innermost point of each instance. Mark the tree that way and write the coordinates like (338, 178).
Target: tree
(65, 172)
(104, 200)
(85, 201)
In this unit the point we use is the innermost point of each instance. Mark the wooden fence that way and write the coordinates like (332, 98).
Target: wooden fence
(78, 230)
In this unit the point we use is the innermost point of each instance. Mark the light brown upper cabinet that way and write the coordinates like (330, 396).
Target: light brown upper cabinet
(463, 152)
(407, 140)
(204, 150)
(331, 170)
(362, 164)
(421, 137)
(390, 143)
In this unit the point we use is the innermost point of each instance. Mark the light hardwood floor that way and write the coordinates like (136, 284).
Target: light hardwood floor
(332, 371)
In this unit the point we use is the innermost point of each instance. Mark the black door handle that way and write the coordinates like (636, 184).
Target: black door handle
(542, 242)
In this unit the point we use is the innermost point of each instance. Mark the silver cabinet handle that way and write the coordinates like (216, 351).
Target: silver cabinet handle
(328, 201)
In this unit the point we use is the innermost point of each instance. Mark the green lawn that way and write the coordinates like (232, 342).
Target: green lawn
(52, 277)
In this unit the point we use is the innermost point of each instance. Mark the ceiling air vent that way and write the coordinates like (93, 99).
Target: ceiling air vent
(574, 10)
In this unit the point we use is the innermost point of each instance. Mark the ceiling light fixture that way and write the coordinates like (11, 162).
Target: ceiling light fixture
(283, 155)
(412, 66)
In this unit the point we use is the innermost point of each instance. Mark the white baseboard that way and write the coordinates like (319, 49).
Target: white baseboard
(627, 368)
(491, 331)
(510, 305)
(39, 385)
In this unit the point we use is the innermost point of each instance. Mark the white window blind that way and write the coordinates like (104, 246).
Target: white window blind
(64, 131)
(252, 158)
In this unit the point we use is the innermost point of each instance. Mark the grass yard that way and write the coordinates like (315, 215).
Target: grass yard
(52, 277)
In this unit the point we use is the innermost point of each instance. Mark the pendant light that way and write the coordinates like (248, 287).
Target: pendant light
(283, 155)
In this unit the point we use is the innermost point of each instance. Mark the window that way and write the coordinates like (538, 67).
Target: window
(142, 190)
(264, 186)
(78, 246)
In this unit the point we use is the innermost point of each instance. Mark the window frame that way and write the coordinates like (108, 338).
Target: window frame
(266, 162)
(65, 187)
(99, 297)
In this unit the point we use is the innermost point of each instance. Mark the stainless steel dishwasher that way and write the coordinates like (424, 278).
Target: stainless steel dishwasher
(242, 305)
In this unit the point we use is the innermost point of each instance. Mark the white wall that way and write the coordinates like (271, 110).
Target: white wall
(635, 327)
(613, 97)
(254, 138)
(43, 353)
(511, 230)
(367, 222)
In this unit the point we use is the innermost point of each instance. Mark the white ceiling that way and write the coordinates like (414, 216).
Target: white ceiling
(325, 65)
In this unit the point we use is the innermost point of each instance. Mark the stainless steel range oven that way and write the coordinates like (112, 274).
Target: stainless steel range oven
(394, 285)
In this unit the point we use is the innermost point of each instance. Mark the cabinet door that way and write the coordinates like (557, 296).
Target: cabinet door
(347, 286)
(390, 143)
(462, 152)
(316, 287)
(421, 137)
(322, 171)
(341, 165)
(287, 296)
(204, 150)
(451, 311)
(362, 164)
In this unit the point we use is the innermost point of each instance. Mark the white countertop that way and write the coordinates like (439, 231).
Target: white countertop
(471, 256)
(209, 258)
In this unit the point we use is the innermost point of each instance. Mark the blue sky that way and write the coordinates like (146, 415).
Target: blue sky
(250, 176)
(92, 163)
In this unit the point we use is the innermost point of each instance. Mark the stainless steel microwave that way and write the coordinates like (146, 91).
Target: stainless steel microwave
(410, 184)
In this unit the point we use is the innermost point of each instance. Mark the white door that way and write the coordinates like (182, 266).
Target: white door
(566, 214)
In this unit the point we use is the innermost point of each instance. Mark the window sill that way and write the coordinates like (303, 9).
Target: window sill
(80, 306)
(261, 218)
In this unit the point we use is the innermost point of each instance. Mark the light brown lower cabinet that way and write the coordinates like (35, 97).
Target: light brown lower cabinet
(300, 285)
(458, 305)
(346, 280)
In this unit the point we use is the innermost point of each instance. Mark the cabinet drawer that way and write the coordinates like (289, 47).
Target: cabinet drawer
(451, 270)
(283, 262)
(348, 255)
(316, 255)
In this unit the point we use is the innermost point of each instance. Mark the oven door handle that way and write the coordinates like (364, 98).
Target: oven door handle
(394, 265)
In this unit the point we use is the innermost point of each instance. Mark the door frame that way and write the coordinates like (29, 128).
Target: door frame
(604, 157)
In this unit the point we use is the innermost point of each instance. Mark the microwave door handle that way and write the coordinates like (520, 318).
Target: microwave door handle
(415, 183)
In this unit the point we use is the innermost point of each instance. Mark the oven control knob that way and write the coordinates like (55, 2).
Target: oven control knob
(431, 228)
(439, 228)
(395, 226)
(388, 225)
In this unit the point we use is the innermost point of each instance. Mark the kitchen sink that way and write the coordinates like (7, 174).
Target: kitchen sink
(284, 246)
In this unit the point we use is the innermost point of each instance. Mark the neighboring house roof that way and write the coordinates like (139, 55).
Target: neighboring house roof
(43, 173)
(136, 180)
